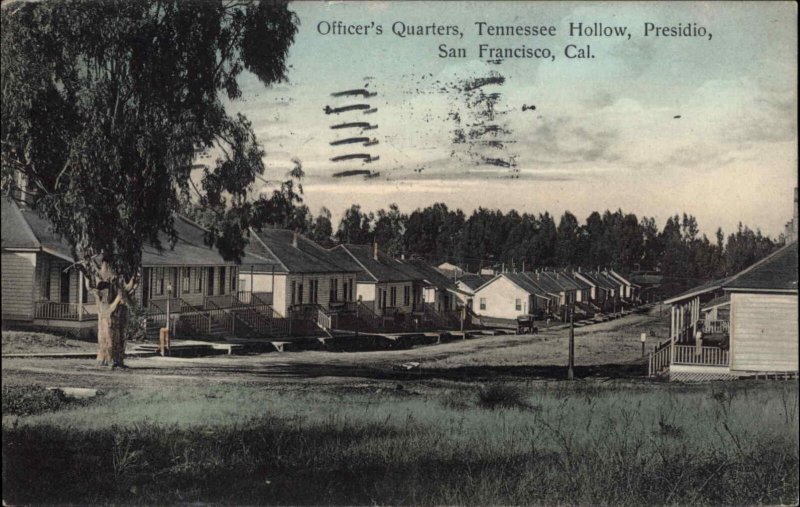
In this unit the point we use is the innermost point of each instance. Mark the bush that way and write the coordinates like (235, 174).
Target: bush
(502, 396)
(32, 400)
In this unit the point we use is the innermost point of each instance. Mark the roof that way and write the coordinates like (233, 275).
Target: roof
(624, 279)
(563, 280)
(696, 291)
(306, 257)
(422, 270)
(612, 281)
(776, 272)
(647, 278)
(16, 234)
(524, 281)
(384, 269)
(716, 302)
(580, 282)
(473, 281)
(598, 280)
(544, 283)
(521, 281)
(25, 229)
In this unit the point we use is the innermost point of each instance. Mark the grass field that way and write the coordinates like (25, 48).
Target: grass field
(15, 342)
(518, 443)
(485, 421)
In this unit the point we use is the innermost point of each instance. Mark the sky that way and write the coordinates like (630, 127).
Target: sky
(652, 125)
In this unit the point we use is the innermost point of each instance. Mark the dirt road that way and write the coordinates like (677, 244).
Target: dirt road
(610, 349)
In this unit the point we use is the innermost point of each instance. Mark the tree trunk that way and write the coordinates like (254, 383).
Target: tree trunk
(111, 329)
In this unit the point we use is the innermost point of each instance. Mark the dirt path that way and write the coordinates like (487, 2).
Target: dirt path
(610, 349)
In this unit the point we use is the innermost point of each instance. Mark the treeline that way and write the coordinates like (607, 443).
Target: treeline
(492, 238)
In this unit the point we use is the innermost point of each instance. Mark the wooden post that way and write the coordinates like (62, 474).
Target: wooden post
(252, 287)
(80, 295)
(570, 369)
(672, 334)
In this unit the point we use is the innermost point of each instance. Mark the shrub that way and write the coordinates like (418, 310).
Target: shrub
(32, 400)
(502, 396)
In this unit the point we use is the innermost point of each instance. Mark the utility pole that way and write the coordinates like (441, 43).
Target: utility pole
(570, 369)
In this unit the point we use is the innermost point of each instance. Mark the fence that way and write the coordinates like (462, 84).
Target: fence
(61, 311)
(707, 356)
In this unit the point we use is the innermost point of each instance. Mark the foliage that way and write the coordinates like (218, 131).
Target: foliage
(585, 444)
(516, 241)
(107, 105)
(30, 400)
(496, 396)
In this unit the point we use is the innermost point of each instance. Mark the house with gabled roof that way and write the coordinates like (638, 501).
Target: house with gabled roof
(628, 289)
(602, 289)
(584, 289)
(468, 283)
(760, 336)
(382, 284)
(41, 288)
(302, 274)
(438, 290)
(509, 295)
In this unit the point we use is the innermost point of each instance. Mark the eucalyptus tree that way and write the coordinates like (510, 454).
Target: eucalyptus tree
(105, 108)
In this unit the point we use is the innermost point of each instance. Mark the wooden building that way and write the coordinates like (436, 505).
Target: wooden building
(759, 337)
(382, 284)
(510, 295)
(302, 276)
(191, 282)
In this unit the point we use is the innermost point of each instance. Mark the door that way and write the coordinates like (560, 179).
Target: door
(64, 289)
(210, 282)
(145, 287)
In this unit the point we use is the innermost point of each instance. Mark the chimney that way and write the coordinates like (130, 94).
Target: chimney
(294, 239)
(375, 250)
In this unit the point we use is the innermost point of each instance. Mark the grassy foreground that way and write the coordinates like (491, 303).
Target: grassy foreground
(538, 443)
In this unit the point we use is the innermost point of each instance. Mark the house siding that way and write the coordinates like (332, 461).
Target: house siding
(501, 296)
(19, 271)
(398, 286)
(764, 332)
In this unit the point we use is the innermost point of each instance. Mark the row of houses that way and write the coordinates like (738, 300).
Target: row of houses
(547, 293)
(285, 285)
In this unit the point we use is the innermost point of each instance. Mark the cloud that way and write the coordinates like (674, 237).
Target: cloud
(569, 140)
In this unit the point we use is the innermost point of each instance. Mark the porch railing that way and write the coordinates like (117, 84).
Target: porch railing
(51, 310)
(324, 319)
(715, 326)
(706, 356)
(659, 359)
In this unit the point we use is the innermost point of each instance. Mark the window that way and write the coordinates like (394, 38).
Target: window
(222, 288)
(313, 289)
(185, 284)
(406, 295)
(48, 284)
(299, 293)
(334, 295)
(234, 280)
(159, 285)
(518, 305)
(210, 282)
(198, 280)
(294, 293)
(393, 296)
(483, 303)
(350, 288)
